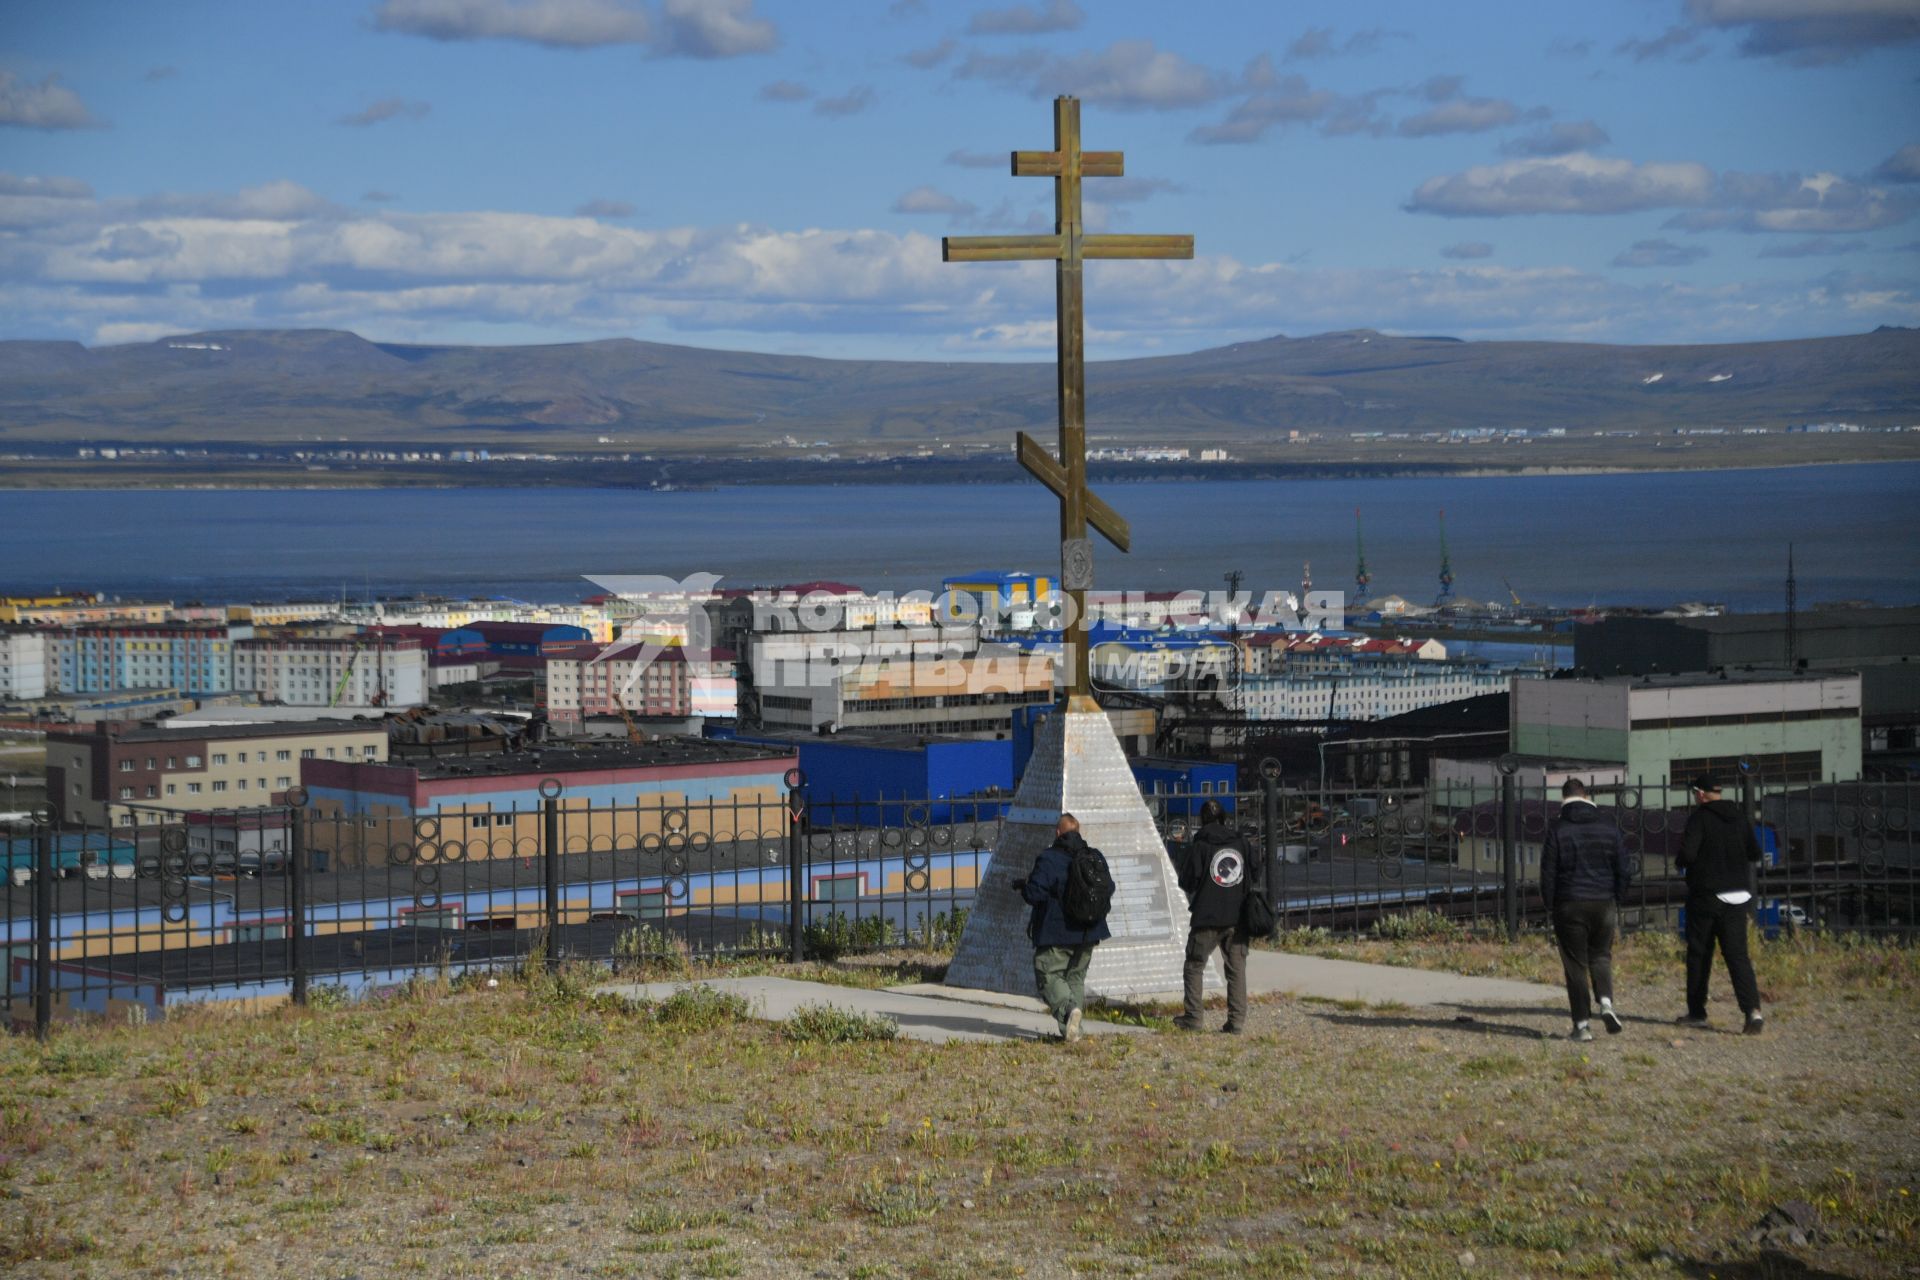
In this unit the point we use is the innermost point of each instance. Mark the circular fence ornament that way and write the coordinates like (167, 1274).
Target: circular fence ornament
(1508, 764)
(550, 788)
(1270, 768)
(426, 828)
(795, 778)
(174, 913)
(174, 840)
(917, 881)
(296, 797)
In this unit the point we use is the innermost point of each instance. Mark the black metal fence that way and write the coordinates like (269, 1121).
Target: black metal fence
(168, 907)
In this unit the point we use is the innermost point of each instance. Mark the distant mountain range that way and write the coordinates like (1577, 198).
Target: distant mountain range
(277, 387)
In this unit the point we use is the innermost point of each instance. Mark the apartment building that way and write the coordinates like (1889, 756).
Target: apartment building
(583, 680)
(193, 657)
(121, 774)
(23, 664)
(317, 672)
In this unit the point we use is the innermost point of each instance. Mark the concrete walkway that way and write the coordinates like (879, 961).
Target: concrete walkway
(919, 1018)
(938, 1014)
(1284, 973)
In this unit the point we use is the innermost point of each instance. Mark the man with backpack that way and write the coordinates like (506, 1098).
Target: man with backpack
(1070, 890)
(1216, 875)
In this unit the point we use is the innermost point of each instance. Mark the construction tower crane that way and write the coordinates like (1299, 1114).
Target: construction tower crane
(1360, 575)
(1446, 566)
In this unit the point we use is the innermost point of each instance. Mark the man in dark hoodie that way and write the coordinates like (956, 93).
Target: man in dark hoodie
(1216, 873)
(1716, 852)
(1062, 951)
(1583, 879)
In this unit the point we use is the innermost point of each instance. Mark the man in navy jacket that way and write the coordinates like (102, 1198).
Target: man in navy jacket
(1583, 879)
(1062, 951)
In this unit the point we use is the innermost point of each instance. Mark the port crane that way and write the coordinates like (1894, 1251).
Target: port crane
(1446, 567)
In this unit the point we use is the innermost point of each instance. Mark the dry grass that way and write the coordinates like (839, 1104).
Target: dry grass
(538, 1129)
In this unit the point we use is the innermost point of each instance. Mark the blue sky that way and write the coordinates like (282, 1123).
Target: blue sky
(775, 176)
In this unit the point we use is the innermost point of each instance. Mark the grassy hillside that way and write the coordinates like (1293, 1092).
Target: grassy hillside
(266, 386)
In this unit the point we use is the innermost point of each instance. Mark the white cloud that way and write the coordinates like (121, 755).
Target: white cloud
(683, 28)
(1027, 19)
(932, 55)
(713, 29)
(1576, 183)
(48, 105)
(1817, 247)
(1558, 139)
(49, 188)
(1319, 42)
(784, 91)
(1461, 115)
(935, 201)
(559, 24)
(1659, 253)
(850, 103)
(386, 109)
(1128, 75)
(1811, 32)
(192, 262)
(1902, 166)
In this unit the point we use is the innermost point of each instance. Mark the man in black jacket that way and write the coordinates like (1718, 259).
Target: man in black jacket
(1716, 852)
(1583, 879)
(1216, 874)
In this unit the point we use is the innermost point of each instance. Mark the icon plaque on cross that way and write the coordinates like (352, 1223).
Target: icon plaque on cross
(1067, 248)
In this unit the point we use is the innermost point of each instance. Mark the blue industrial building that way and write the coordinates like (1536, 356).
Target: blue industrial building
(877, 777)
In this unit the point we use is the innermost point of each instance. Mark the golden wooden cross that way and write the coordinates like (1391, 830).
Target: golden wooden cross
(1068, 247)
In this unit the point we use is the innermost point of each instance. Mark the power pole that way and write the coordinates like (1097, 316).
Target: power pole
(1793, 602)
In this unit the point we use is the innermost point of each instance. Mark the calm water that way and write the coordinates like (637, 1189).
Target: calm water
(1559, 539)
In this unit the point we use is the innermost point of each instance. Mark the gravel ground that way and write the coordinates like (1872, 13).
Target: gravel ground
(534, 1130)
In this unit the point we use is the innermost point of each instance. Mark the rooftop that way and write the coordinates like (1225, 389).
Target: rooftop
(162, 732)
(1806, 620)
(1726, 675)
(580, 755)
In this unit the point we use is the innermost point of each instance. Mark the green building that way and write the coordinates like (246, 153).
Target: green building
(1794, 728)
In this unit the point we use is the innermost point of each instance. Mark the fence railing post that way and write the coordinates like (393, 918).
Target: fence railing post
(297, 893)
(796, 874)
(1749, 811)
(1270, 824)
(1509, 851)
(43, 932)
(550, 858)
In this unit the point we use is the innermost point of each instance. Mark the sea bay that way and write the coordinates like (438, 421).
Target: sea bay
(1641, 538)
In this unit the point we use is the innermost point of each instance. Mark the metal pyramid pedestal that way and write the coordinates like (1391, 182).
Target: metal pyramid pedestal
(1078, 767)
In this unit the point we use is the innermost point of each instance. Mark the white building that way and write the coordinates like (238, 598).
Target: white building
(325, 673)
(1363, 690)
(23, 664)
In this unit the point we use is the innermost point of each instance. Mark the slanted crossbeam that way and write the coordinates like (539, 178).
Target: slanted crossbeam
(1067, 248)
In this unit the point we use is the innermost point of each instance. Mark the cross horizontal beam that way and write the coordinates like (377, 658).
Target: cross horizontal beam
(1051, 164)
(1055, 247)
(1043, 467)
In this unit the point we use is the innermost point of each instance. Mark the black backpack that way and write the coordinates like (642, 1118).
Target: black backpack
(1089, 892)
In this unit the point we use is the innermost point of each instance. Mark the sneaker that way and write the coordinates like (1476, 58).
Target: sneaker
(1073, 1027)
(1756, 1023)
(1184, 1023)
(1612, 1019)
(1581, 1031)
(1691, 1020)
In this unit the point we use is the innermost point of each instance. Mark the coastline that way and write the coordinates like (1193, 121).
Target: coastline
(900, 474)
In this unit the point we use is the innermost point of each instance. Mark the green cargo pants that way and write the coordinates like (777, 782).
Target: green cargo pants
(1061, 973)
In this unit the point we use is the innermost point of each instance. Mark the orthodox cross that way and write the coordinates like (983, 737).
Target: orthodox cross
(1068, 247)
